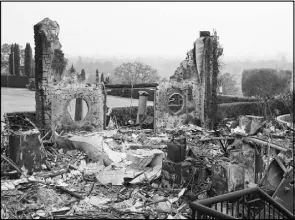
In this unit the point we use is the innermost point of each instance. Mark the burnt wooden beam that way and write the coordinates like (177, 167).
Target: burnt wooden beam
(135, 86)
(265, 143)
(216, 138)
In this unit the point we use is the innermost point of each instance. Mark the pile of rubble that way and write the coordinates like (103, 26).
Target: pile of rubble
(133, 173)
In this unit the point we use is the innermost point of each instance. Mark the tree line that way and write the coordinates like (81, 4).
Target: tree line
(17, 61)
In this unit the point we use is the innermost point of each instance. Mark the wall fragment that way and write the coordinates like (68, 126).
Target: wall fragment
(93, 96)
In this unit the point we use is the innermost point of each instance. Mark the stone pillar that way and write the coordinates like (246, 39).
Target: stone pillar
(143, 96)
(46, 41)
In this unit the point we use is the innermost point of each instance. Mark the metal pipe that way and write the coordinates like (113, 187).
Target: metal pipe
(243, 204)
(238, 208)
(264, 210)
(232, 208)
(269, 210)
(259, 211)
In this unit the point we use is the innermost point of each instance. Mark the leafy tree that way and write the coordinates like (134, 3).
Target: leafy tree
(16, 59)
(5, 51)
(229, 85)
(164, 79)
(22, 56)
(102, 78)
(28, 60)
(288, 98)
(59, 63)
(137, 72)
(265, 83)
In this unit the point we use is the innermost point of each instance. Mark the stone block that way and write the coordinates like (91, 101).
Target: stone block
(220, 177)
(246, 156)
(175, 175)
(25, 150)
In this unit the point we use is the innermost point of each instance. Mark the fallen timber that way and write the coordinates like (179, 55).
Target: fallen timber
(265, 143)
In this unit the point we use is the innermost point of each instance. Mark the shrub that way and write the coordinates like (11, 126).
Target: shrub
(265, 83)
(230, 99)
(226, 80)
(126, 93)
(287, 99)
(136, 72)
(225, 110)
(124, 114)
(233, 110)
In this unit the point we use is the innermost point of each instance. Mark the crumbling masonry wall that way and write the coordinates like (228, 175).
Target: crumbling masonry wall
(52, 100)
(195, 80)
(188, 81)
(95, 99)
(46, 41)
(190, 111)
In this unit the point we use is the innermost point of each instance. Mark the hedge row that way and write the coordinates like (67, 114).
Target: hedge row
(233, 110)
(226, 110)
(126, 93)
(124, 114)
(230, 99)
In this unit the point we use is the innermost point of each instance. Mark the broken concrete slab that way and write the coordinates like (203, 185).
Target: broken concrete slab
(191, 172)
(91, 145)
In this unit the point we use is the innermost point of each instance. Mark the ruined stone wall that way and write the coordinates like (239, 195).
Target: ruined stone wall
(194, 81)
(52, 100)
(165, 118)
(95, 99)
(46, 41)
(187, 81)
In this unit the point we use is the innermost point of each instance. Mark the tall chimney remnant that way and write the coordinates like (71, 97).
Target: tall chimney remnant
(46, 41)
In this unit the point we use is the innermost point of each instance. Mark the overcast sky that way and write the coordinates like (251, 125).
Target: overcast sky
(253, 30)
